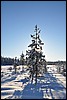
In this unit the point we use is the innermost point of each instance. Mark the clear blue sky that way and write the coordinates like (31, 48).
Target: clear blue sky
(18, 19)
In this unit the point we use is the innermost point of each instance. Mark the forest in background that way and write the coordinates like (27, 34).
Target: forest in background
(10, 61)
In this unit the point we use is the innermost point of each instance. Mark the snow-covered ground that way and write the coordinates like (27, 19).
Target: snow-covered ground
(19, 86)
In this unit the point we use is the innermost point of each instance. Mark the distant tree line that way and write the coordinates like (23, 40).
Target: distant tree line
(7, 61)
(55, 62)
(10, 61)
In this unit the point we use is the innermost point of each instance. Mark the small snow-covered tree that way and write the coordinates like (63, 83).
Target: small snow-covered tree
(22, 59)
(36, 60)
(15, 64)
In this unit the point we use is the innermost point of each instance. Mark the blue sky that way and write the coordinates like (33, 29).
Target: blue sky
(18, 19)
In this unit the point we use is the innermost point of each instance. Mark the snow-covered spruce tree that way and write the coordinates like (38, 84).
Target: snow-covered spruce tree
(22, 59)
(15, 64)
(36, 60)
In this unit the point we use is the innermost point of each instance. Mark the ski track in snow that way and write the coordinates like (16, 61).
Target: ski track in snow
(19, 85)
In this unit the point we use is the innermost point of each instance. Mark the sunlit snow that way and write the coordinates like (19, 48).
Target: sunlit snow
(51, 85)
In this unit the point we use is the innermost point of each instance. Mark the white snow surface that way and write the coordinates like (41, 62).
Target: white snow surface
(19, 86)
